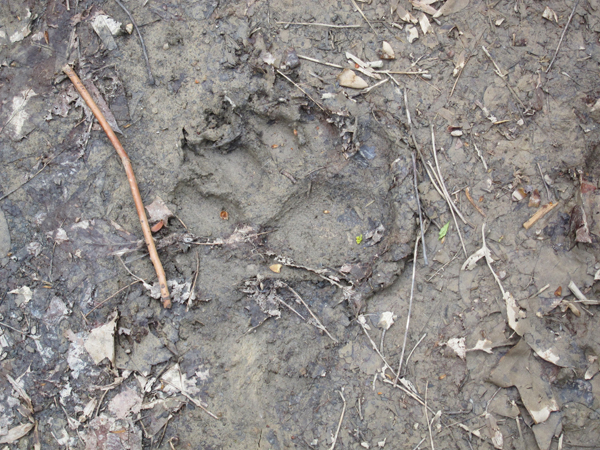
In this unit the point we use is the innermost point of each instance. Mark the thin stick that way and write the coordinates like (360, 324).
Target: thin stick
(290, 308)
(502, 75)
(550, 196)
(370, 88)
(308, 58)
(539, 214)
(151, 78)
(448, 199)
(410, 302)
(475, 205)
(485, 166)
(562, 36)
(301, 90)
(319, 324)
(364, 17)
(194, 282)
(459, 74)
(400, 72)
(414, 348)
(135, 191)
(427, 418)
(414, 163)
(374, 345)
(112, 296)
(337, 432)
(317, 24)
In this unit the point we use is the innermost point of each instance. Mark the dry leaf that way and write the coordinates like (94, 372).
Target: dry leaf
(224, 215)
(108, 115)
(124, 403)
(519, 194)
(411, 34)
(349, 79)
(521, 369)
(387, 52)
(100, 343)
(275, 268)
(425, 7)
(494, 431)
(550, 15)
(424, 23)
(386, 320)
(458, 345)
(459, 64)
(535, 199)
(16, 433)
(158, 211)
(485, 345)
(24, 292)
(451, 7)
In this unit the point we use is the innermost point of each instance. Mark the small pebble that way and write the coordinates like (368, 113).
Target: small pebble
(166, 47)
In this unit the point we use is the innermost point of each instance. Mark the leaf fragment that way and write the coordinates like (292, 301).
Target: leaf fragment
(443, 231)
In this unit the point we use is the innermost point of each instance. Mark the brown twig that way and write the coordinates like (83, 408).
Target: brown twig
(539, 214)
(475, 205)
(135, 191)
(299, 88)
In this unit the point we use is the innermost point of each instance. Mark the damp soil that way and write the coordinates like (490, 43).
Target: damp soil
(284, 184)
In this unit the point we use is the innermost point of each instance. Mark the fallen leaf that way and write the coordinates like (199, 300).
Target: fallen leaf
(100, 344)
(458, 345)
(124, 403)
(443, 231)
(535, 199)
(386, 320)
(485, 345)
(16, 433)
(519, 194)
(158, 211)
(24, 292)
(425, 7)
(349, 79)
(176, 381)
(494, 431)
(521, 369)
(108, 115)
(579, 225)
(424, 23)
(224, 215)
(275, 268)
(411, 33)
(387, 52)
(451, 7)
(550, 15)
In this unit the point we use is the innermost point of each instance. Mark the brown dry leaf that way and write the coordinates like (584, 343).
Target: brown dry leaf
(224, 215)
(451, 7)
(108, 433)
(521, 369)
(100, 343)
(424, 23)
(494, 431)
(519, 194)
(545, 432)
(95, 93)
(158, 211)
(124, 403)
(579, 225)
(426, 8)
(349, 79)
(16, 433)
(535, 199)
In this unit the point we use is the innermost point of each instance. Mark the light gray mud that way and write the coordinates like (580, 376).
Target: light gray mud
(322, 185)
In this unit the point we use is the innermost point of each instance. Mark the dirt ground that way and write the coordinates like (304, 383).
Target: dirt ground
(290, 222)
